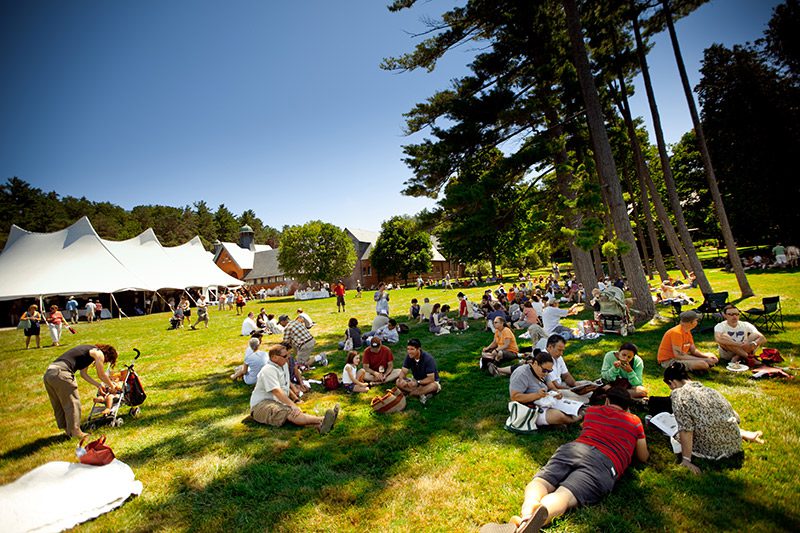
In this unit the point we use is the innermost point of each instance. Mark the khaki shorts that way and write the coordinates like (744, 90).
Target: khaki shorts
(271, 413)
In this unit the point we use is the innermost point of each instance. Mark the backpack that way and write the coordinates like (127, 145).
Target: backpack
(330, 381)
(403, 328)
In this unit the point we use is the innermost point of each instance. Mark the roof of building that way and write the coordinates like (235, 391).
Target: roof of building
(242, 256)
(265, 265)
(371, 237)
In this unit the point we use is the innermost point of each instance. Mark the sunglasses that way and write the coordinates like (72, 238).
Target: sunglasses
(732, 314)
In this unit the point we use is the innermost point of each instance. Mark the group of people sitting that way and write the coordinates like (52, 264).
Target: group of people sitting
(582, 472)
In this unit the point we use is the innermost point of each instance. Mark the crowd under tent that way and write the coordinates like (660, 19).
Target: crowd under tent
(76, 261)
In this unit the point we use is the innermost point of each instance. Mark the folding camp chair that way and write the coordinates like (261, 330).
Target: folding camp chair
(713, 304)
(769, 316)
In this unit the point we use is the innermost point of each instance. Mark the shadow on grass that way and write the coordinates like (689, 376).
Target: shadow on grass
(32, 447)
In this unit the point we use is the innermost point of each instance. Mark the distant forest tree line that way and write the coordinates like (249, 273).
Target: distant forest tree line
(35, 210)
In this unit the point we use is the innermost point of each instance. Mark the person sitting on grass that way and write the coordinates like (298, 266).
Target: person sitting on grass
(435, 320)
(254, 361)
(529, 384)
(425, 310)
(551, 316)
(504, 345)
(678, 345)
(249, 324)
(379, 363)
(625, 364)
(414, 310)
(352, 377)
(352, 332)
(584, 471)
(736, 338)
(424, 382)
(708, 427)
(270, 403)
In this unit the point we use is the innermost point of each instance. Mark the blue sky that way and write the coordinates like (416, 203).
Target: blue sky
(276, 107)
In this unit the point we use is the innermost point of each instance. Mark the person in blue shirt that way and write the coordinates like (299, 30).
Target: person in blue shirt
(424, 380)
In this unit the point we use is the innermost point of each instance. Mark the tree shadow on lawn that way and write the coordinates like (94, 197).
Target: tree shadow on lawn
(30, 448)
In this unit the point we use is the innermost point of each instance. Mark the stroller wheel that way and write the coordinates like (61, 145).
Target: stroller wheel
(92, 427)
(135, 412)
(623, 331)
(117, 423)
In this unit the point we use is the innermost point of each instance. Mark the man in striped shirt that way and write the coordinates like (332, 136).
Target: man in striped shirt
(584, 471)
(296, 334)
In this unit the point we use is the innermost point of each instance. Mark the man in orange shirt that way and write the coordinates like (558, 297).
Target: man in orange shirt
(678, 345)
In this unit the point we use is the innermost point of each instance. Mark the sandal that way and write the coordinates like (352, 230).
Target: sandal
(534, 523)
(498, 528)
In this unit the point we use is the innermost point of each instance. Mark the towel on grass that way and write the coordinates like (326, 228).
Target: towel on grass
(59, 495)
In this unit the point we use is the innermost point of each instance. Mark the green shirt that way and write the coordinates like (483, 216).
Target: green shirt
(609, 372)
(779, 250)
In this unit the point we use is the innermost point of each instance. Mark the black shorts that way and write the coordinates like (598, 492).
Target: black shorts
(584, 470)
(187, 313)
(340, 300)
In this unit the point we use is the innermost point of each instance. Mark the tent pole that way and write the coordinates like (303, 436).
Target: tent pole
(190, 296)
(121, 312)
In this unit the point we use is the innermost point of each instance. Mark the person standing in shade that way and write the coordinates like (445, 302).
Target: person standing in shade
(72, 307)
(90, 310)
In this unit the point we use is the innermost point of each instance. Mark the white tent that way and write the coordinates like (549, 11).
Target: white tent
(76, 260)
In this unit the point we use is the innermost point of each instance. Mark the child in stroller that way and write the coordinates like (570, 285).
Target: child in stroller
(176, 321)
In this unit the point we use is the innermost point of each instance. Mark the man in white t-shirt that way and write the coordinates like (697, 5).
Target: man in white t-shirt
(249, 324)
(736, 339)
(551, 315)
(270, 403)
(560, 380)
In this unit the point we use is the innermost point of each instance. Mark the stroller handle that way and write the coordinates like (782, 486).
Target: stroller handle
(138, 353)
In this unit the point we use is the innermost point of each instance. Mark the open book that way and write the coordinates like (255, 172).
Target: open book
(570, 407)
(669, 426)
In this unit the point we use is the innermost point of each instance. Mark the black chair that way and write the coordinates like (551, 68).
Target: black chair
(713, 304)
(769, 316)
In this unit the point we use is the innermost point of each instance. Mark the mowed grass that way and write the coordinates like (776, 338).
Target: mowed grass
(447, 466)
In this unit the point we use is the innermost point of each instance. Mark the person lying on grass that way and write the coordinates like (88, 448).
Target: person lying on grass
(678, 345)
(424, 382)
(270, 403)
(708, 427)
(584, 471)
(528, 386)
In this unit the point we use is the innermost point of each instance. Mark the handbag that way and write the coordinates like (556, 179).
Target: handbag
(96, 453)
(770, 355)
(24, 324)
(521, 418)
(330, 381)
(71, 330)
(348, 342)
(393, 401)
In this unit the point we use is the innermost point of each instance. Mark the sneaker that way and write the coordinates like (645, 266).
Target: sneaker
(423, 399)
(492, 368)
(480, 363)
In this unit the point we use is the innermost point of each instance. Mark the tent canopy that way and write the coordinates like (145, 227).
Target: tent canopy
(76, 260)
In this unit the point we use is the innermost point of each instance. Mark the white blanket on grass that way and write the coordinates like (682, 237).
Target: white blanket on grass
(60, 495)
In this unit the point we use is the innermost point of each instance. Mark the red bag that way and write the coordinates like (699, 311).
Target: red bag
(770, 355)
(71, 330)
(330, 381)
(97, 452)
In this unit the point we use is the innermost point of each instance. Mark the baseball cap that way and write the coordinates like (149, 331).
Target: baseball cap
(283, 317)
(688, 316)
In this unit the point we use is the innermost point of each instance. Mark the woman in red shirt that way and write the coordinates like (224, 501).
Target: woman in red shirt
(54, 321)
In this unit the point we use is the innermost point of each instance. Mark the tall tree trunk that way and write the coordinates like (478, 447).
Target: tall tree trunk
(597, 260)
(639, 232)
(713, 186)
(643, 174)
(581, 259)
(606, 167)
(677, 210)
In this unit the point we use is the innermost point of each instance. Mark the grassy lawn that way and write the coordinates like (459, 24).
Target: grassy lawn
(446, 466)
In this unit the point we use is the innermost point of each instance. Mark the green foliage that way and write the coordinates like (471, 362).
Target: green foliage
(752, 125)
(316, 251)
(226, 224)
(402, 248)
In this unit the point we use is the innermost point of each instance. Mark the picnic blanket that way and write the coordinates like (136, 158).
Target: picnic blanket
(59, 495)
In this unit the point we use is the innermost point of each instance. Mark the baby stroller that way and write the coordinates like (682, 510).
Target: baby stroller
(132, 395)
(614, 314)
